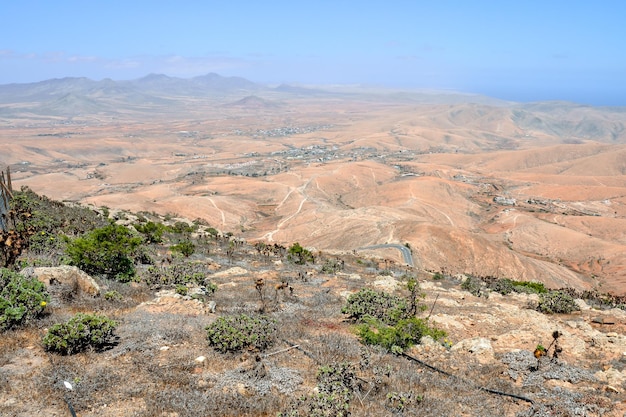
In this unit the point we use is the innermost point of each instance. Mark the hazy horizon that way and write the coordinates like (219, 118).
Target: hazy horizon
(529, 52)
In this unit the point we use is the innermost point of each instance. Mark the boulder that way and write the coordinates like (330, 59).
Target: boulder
(386, 283)
(478, 346)
(64, 275)
(475, 345)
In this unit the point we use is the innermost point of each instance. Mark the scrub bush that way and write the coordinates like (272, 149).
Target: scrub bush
(105, 251)
(556, 302)
(241, 332)
(81, 332)
(21, 299)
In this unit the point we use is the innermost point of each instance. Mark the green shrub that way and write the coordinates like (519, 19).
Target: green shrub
(182, 290)
(21, 299)
(377, 304)
(45, 243)
(556, 302)
(529, 287)
(300, 255)
(105, 251)
(415, 295)
(52, 216)
(503, 286)
(151, 231)
(336, 385)
(186, 248)
(181, 271)
(332, 266)
(182, 228)
(210, 288)
(397, 402)
(113, 296)
(388, 320)
(81, 332)
(475, 286)
(404, 334)
(237, 333)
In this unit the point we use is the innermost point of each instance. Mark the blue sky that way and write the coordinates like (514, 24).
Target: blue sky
(522, 51)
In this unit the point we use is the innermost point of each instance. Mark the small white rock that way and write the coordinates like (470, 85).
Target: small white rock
(200, 359)
(164, 348)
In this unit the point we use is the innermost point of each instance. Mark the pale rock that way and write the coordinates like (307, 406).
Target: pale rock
(352, 277)
(429, 341)
(573, 345)
(611, 376)
(446, 302)
(170, 302)
(64, 275)
(582, 304)
(479, 346)
(617, 313)
(496, 296)
(580, 325)
(345, 294)
(429, 285)
(446, 322)
(10, 402)
(524, 298)
(164, 348)
(211, 305)
(386, 283)
(243, 390)
(200, 360)
(234, 271)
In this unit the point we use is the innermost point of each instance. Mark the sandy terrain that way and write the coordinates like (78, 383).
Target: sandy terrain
(344, 172)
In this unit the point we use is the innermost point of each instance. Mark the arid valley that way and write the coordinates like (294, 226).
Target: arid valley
(472, 184)
(298, 251)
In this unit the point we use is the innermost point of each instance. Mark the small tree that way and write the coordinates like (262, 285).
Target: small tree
(152, 232)
(105, 251)
(300, 255)
(186, 248)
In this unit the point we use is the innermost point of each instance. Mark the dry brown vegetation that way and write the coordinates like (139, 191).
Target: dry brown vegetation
(155, 366)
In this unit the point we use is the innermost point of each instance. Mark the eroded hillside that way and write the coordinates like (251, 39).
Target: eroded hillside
(521, 191)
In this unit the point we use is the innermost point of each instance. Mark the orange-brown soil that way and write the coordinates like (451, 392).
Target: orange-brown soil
(471, 188)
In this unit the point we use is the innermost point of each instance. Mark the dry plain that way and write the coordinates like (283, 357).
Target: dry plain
(473, 185)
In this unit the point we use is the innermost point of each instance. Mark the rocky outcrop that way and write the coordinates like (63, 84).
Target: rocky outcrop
(65, 275)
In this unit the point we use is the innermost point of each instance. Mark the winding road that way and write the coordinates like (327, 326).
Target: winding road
(406, 252)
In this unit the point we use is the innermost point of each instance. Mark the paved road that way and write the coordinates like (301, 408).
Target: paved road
(406, 252)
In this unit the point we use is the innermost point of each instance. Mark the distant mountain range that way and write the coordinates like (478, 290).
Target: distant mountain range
(153, 84)
(161, 94)
(73, 96)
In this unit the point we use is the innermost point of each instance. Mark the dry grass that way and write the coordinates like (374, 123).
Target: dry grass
(152, 369)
